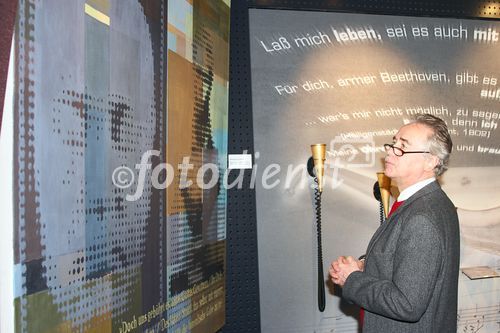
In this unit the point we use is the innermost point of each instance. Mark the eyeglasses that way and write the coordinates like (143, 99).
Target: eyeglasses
(400, 152)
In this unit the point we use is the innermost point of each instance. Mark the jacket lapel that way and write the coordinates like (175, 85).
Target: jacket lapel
(394, 216)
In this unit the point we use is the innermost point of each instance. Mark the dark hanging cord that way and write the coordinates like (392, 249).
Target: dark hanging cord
(321, 282)
(382, 213)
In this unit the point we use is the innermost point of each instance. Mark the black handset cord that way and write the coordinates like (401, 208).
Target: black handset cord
(321, 282)
(382, 213)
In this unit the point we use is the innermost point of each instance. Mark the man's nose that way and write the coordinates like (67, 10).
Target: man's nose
(390, 152)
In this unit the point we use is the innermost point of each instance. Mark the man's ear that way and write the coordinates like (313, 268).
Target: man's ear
(431, 163)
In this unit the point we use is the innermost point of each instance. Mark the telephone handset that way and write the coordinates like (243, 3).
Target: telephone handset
(315, 167)
(382, 192)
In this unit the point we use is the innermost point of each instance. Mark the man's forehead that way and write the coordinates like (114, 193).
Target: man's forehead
(412, 133)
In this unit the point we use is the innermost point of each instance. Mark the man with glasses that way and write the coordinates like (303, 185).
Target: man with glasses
(408, 281)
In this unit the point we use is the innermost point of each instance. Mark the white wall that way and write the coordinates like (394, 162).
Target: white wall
(6, 209)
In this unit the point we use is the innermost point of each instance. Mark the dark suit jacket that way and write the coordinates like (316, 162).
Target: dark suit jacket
(410, 279)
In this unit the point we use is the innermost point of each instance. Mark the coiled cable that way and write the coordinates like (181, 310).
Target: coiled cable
(321, 282)
(382, 213)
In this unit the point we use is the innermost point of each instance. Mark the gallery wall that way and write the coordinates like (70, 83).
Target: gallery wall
(8, 9)
(242, 301)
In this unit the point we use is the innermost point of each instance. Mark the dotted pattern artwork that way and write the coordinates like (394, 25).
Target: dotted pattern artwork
(90, 97)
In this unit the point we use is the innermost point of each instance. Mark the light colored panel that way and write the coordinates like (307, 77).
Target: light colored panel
(6, 202)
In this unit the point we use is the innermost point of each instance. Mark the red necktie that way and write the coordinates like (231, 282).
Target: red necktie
(393, 209)
(395, 206)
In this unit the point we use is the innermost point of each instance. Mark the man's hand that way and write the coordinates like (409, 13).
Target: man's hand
(341, 268)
